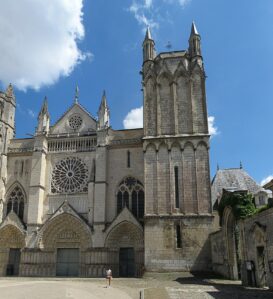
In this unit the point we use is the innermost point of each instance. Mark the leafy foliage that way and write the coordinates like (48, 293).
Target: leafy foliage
(263, 208)
(242, 205)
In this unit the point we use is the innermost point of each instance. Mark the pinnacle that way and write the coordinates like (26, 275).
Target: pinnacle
(44, 109)
(194, 29)
(148, 34)
(103, 99)
(9, 91)
(76, 98)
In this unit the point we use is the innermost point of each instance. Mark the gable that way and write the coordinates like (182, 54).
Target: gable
(75, 120)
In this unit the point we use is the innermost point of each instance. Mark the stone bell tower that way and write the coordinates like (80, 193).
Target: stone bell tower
(7, 132)
(176, 158)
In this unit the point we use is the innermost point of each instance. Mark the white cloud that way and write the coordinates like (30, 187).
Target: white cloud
(31, 113)
(39, 41)
(148, 3)
(182, 3)
(143, 14)
(213, 130)
(151, 12)
(134, 119)
(267, 179)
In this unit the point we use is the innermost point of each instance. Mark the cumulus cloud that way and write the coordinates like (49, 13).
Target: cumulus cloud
(142, 12)
(39, 41)
(134, 119)
(267, 179)
(151, 12)
(213, 130)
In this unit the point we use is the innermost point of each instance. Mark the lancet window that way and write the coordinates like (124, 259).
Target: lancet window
(131, 194)
(16, 202)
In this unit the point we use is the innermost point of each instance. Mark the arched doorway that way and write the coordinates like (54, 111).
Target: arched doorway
(232, 243)
(66, 237)
(12, 240)
(127, 239)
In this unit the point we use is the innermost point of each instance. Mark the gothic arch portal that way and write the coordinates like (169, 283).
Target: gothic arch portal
(65, 230)
(11, 237)
(125, 234)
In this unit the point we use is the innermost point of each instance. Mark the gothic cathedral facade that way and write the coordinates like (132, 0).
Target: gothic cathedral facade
(79, 197)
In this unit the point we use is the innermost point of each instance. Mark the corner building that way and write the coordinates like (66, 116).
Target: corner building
(79, 197)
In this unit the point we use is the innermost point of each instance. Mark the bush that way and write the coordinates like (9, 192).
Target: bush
(242, 205)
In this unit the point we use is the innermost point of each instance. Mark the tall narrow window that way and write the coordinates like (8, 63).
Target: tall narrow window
(176, 187)
(131, 195)
(178, 237)
(16, 202)
(119, 202)
(128, 159)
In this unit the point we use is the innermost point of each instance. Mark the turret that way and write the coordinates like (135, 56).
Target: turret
(194, 42)
(148, 47)
(43, 119)
(7, 131)
(103, 114)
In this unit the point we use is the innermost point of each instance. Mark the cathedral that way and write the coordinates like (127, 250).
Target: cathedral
(80, 197)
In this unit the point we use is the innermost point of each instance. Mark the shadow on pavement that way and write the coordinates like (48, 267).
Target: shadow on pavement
(224, 288)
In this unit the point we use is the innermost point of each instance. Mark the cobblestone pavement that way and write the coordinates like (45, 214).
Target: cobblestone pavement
(156, 286)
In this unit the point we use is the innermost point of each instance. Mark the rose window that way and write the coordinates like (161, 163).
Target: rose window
(69, 176)
(75, 122)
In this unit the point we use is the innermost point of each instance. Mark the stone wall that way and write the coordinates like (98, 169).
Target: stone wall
(117, 170)
(192, 161)
(219, 254)
(257, 249)
(161, 252)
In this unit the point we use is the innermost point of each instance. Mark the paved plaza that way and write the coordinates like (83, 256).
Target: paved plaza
(154, 286)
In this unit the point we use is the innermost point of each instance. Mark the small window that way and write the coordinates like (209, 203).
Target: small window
(176, 187)
(128, 159)
(178, 237)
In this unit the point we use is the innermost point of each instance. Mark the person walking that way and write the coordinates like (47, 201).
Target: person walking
(109, 276)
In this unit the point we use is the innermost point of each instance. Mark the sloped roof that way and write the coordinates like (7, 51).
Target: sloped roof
(232, 179)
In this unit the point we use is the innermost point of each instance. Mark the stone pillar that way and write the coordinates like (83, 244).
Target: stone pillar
(37, 183)
(100, 186)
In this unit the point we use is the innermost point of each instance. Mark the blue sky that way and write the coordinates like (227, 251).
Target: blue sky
(96, 44)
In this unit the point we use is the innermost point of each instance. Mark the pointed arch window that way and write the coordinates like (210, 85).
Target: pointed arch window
(131, 194)
(16, 202)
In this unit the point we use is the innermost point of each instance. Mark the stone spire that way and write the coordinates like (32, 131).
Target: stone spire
(9, 91)
(43, 118)
(103, 100)
(44, 109)
(194, 29)
(76, 98)
(103, 113)
(148, 34)
(148, 47)
(194, 42)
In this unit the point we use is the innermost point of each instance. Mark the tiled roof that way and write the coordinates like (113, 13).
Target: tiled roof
(233, 179)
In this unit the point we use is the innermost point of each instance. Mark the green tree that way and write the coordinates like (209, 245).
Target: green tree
(242, 204)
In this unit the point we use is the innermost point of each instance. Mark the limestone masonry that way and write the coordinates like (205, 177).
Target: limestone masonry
(80, 197)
